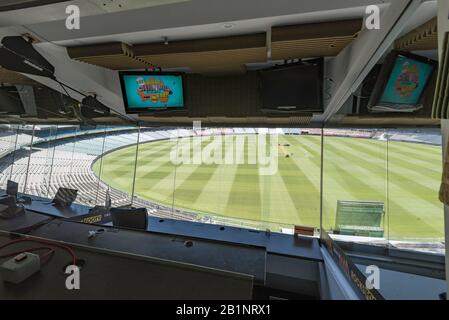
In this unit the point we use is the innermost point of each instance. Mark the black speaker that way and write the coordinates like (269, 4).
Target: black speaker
(51, 103)
(17, 54)
(92, 108)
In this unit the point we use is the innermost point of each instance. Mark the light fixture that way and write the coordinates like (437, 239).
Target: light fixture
(228, 26)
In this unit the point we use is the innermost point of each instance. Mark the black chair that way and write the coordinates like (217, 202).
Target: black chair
(130, 218)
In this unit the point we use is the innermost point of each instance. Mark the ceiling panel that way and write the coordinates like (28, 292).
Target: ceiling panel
(224, 55)
(210, 62)
(313, 39)
(424, 37)
(120, 5)
(207, 56)
(115, 56)
(323, 47)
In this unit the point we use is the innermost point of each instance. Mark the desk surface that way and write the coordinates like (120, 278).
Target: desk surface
(44, 206)
(110, 275)
(208, 253)
(285, 244)
(225, 256)
(24, 221)
(303, 247)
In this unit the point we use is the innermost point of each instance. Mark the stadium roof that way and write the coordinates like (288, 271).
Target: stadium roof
(145, 24)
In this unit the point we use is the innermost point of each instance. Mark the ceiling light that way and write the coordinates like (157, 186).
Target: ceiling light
(228, 26)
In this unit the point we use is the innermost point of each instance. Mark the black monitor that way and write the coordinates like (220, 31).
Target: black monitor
(130, 218)
(64, 197)
(12, 188)
(146, 92)
(401, 83)
(294, 87)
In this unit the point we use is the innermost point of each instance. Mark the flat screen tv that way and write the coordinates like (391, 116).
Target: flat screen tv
(293, 88)
(145, 92)
(401, 83)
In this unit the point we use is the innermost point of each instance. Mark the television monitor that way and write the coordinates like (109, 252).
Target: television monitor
(145, 92)
(293, 87)
(401, 83)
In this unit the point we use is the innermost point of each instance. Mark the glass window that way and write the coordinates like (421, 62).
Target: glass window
(381, 186)
(42, 162)
(113, 159)
(16, 161)
(8, 137)
(354, 183)
(156, 172)
(253, 177)
(416, 218)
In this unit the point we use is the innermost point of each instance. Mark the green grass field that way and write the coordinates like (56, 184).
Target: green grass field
(354, 169)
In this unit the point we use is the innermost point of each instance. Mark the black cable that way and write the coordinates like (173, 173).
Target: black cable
(63, 86)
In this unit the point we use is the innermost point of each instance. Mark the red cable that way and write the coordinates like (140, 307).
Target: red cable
(25, 250)
(66, 248)
(42, 257)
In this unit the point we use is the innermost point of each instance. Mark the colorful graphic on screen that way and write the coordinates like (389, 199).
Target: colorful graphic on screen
(153, 91)
(407, 81)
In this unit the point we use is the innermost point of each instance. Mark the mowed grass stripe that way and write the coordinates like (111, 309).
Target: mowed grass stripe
(303, 191)
(417, 150)
(215, 193)
(336, 186)
(379, 172)
(245, 198)
(155, 172)
(354, 169)
(158, 178)
(277, 204)
(414, 159)
(376, 190)
(371, 146)
(190, 183)
(117, 168)
(399, 178)
(311, 169)
(310, 146)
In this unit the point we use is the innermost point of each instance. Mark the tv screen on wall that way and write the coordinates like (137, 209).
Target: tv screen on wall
(402, 80)
(152, 91)
(293, 88)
